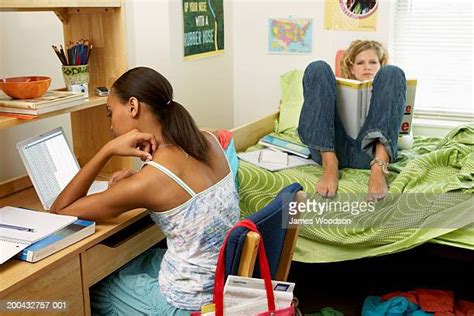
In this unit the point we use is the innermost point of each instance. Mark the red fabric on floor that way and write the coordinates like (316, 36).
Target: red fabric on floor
(411, 296)
(464, 308)
(437, 301)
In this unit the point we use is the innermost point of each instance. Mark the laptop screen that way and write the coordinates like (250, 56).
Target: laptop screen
(50, 164)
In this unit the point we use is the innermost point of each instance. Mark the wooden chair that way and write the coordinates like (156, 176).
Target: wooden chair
(245, 256)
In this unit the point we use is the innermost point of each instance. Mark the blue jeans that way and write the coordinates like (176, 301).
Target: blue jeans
(321, 128)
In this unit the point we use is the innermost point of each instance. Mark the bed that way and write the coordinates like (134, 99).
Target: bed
(431, 198)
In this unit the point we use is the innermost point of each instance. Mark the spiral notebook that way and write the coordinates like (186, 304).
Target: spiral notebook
(20, 228)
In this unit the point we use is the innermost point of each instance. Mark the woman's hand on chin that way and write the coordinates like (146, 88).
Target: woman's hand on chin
(133, 143)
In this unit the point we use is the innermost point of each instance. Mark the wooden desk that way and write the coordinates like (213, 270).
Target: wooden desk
(67, 275)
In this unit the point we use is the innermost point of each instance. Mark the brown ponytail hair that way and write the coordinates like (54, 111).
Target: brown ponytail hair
(153, 89)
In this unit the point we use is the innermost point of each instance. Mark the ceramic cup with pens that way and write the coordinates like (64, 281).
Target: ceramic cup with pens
(76, 78)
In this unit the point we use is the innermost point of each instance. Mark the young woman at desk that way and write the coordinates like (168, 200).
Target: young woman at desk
(186, 182)
(321, 128)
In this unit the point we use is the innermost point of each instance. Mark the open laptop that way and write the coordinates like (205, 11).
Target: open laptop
(51, 165)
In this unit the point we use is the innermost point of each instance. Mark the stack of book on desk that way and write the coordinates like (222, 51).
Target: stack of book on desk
(61, 239)
(48, 102)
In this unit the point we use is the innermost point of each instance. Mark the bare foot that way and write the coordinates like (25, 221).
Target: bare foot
(327, 184)
(378, 189)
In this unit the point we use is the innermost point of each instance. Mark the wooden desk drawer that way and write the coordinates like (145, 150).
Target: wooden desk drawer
(106, 257)
(61, 287)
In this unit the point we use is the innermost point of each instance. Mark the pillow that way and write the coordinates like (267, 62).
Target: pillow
(226, 140)
(291, 100)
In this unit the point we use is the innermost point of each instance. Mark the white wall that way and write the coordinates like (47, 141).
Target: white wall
(257, 73)
(25, 46)
(155, 39)
(204, 86)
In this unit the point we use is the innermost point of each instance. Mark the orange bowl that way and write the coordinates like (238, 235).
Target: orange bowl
(28, 87)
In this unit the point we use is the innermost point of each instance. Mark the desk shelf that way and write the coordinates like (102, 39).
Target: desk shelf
(7, 121)
(52, 4)
(103, 23)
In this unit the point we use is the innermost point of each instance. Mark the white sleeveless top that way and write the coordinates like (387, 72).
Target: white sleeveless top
(195, 231)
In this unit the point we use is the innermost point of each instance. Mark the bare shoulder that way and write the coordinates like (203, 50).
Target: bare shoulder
(217, 157)
(154, 187)
(216, 150)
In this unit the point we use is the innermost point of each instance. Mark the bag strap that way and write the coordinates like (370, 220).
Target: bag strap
(264, 270)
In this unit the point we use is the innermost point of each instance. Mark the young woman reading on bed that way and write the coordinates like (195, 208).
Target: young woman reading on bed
(187, 184)
(321, 128)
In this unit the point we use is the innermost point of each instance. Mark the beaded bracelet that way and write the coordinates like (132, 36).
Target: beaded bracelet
(380, 163)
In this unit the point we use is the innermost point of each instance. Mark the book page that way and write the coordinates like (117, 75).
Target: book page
(273, 156)
(29, 226)
(9, 249)
(247, 296)
(234, 296)
(349, 104)
(353, 104)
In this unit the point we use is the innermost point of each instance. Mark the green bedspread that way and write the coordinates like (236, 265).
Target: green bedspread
(431, 199)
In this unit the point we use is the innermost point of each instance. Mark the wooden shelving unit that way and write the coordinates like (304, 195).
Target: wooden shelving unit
(12, 5)
(68, 274)
(7, 121)
(102, 22)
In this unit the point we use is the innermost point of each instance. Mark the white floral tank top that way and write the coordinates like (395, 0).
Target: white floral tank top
(195, 232)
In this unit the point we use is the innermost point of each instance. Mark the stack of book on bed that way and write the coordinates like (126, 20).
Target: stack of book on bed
(48, 102)
(284, 145)
(280, 154)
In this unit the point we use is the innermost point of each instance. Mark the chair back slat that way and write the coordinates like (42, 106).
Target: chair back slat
(249, 254)
(289, 244)
(241, 250)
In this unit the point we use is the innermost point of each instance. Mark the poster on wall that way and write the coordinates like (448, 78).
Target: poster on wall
(351, 15)
(203, 28)
(290, 35)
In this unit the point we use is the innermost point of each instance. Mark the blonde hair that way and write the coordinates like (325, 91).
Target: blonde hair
(358, 46)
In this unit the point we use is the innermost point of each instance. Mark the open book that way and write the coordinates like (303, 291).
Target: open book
(247, 296)
(20, 228)
(353, 102)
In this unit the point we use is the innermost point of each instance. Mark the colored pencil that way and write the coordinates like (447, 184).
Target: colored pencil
(75, 53)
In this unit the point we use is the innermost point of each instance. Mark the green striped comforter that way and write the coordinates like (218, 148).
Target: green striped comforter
(431, 199)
